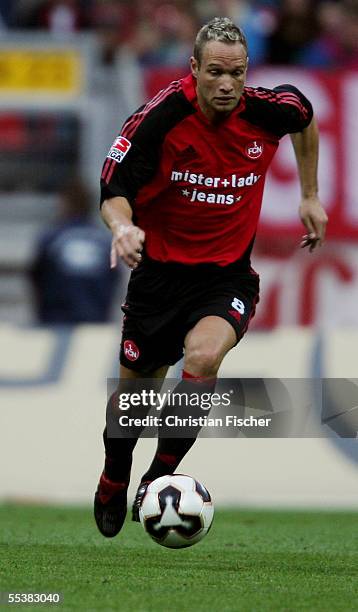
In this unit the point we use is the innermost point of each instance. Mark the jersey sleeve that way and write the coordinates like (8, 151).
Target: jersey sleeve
(132, 159)
(281, 110)
(135, 155)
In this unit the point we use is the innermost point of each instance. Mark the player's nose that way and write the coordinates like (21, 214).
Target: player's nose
(226, 85)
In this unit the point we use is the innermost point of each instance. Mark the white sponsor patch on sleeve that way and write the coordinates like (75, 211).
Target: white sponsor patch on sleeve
(119, 149)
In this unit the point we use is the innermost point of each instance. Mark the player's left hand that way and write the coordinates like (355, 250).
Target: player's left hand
(314, 218)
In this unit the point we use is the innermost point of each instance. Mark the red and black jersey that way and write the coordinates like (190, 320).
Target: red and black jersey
(195, 187)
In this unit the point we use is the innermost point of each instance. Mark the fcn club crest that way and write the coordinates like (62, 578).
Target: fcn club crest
(254, 149)
(131, 350)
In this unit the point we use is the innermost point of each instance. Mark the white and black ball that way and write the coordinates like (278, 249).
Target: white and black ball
(176, 511)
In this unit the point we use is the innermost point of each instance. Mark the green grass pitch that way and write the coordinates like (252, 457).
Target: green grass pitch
(250, 561)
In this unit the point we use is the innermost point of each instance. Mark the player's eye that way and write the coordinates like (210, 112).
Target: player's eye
(214, 72)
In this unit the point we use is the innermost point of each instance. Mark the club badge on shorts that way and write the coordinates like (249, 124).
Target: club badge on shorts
(131, 350)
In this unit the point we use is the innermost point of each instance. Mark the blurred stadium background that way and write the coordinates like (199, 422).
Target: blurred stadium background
(70, 73)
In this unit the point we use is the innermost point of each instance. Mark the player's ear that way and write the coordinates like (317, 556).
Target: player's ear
(194, 67)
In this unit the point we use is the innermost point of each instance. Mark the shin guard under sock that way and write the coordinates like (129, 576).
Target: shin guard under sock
(171, 450)
(119, 450)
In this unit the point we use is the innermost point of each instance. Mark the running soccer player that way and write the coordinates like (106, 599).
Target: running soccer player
(182, 189)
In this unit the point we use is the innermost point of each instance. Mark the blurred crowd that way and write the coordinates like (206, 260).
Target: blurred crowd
(318, 33)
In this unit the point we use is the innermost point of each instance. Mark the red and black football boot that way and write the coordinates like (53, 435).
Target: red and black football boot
(139, 496)
(110, 506)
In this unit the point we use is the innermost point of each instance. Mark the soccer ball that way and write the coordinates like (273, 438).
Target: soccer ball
(176, 511)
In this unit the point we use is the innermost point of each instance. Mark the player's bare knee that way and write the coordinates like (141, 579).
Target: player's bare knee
(202, 360)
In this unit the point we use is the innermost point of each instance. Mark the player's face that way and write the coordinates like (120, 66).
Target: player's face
(220, 77)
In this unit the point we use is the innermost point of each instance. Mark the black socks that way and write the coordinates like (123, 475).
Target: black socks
(174, 442)
(171, 450)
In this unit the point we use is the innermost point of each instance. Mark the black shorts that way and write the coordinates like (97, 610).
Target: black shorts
(165, 300)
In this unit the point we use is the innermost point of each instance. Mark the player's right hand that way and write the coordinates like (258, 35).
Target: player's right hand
(127, 243)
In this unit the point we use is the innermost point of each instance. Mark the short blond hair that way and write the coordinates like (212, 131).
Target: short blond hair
(221, 29)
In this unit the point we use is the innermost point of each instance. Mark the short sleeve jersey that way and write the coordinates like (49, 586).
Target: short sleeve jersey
(195, 187)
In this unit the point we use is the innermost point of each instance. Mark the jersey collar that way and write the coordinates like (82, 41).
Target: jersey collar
(189, 88)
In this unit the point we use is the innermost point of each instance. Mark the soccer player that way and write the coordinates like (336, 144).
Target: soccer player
(182, 189)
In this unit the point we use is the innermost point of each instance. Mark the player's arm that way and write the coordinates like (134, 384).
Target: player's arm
(129, 165)
(285, 110)
(311, 211)
(127, 239)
